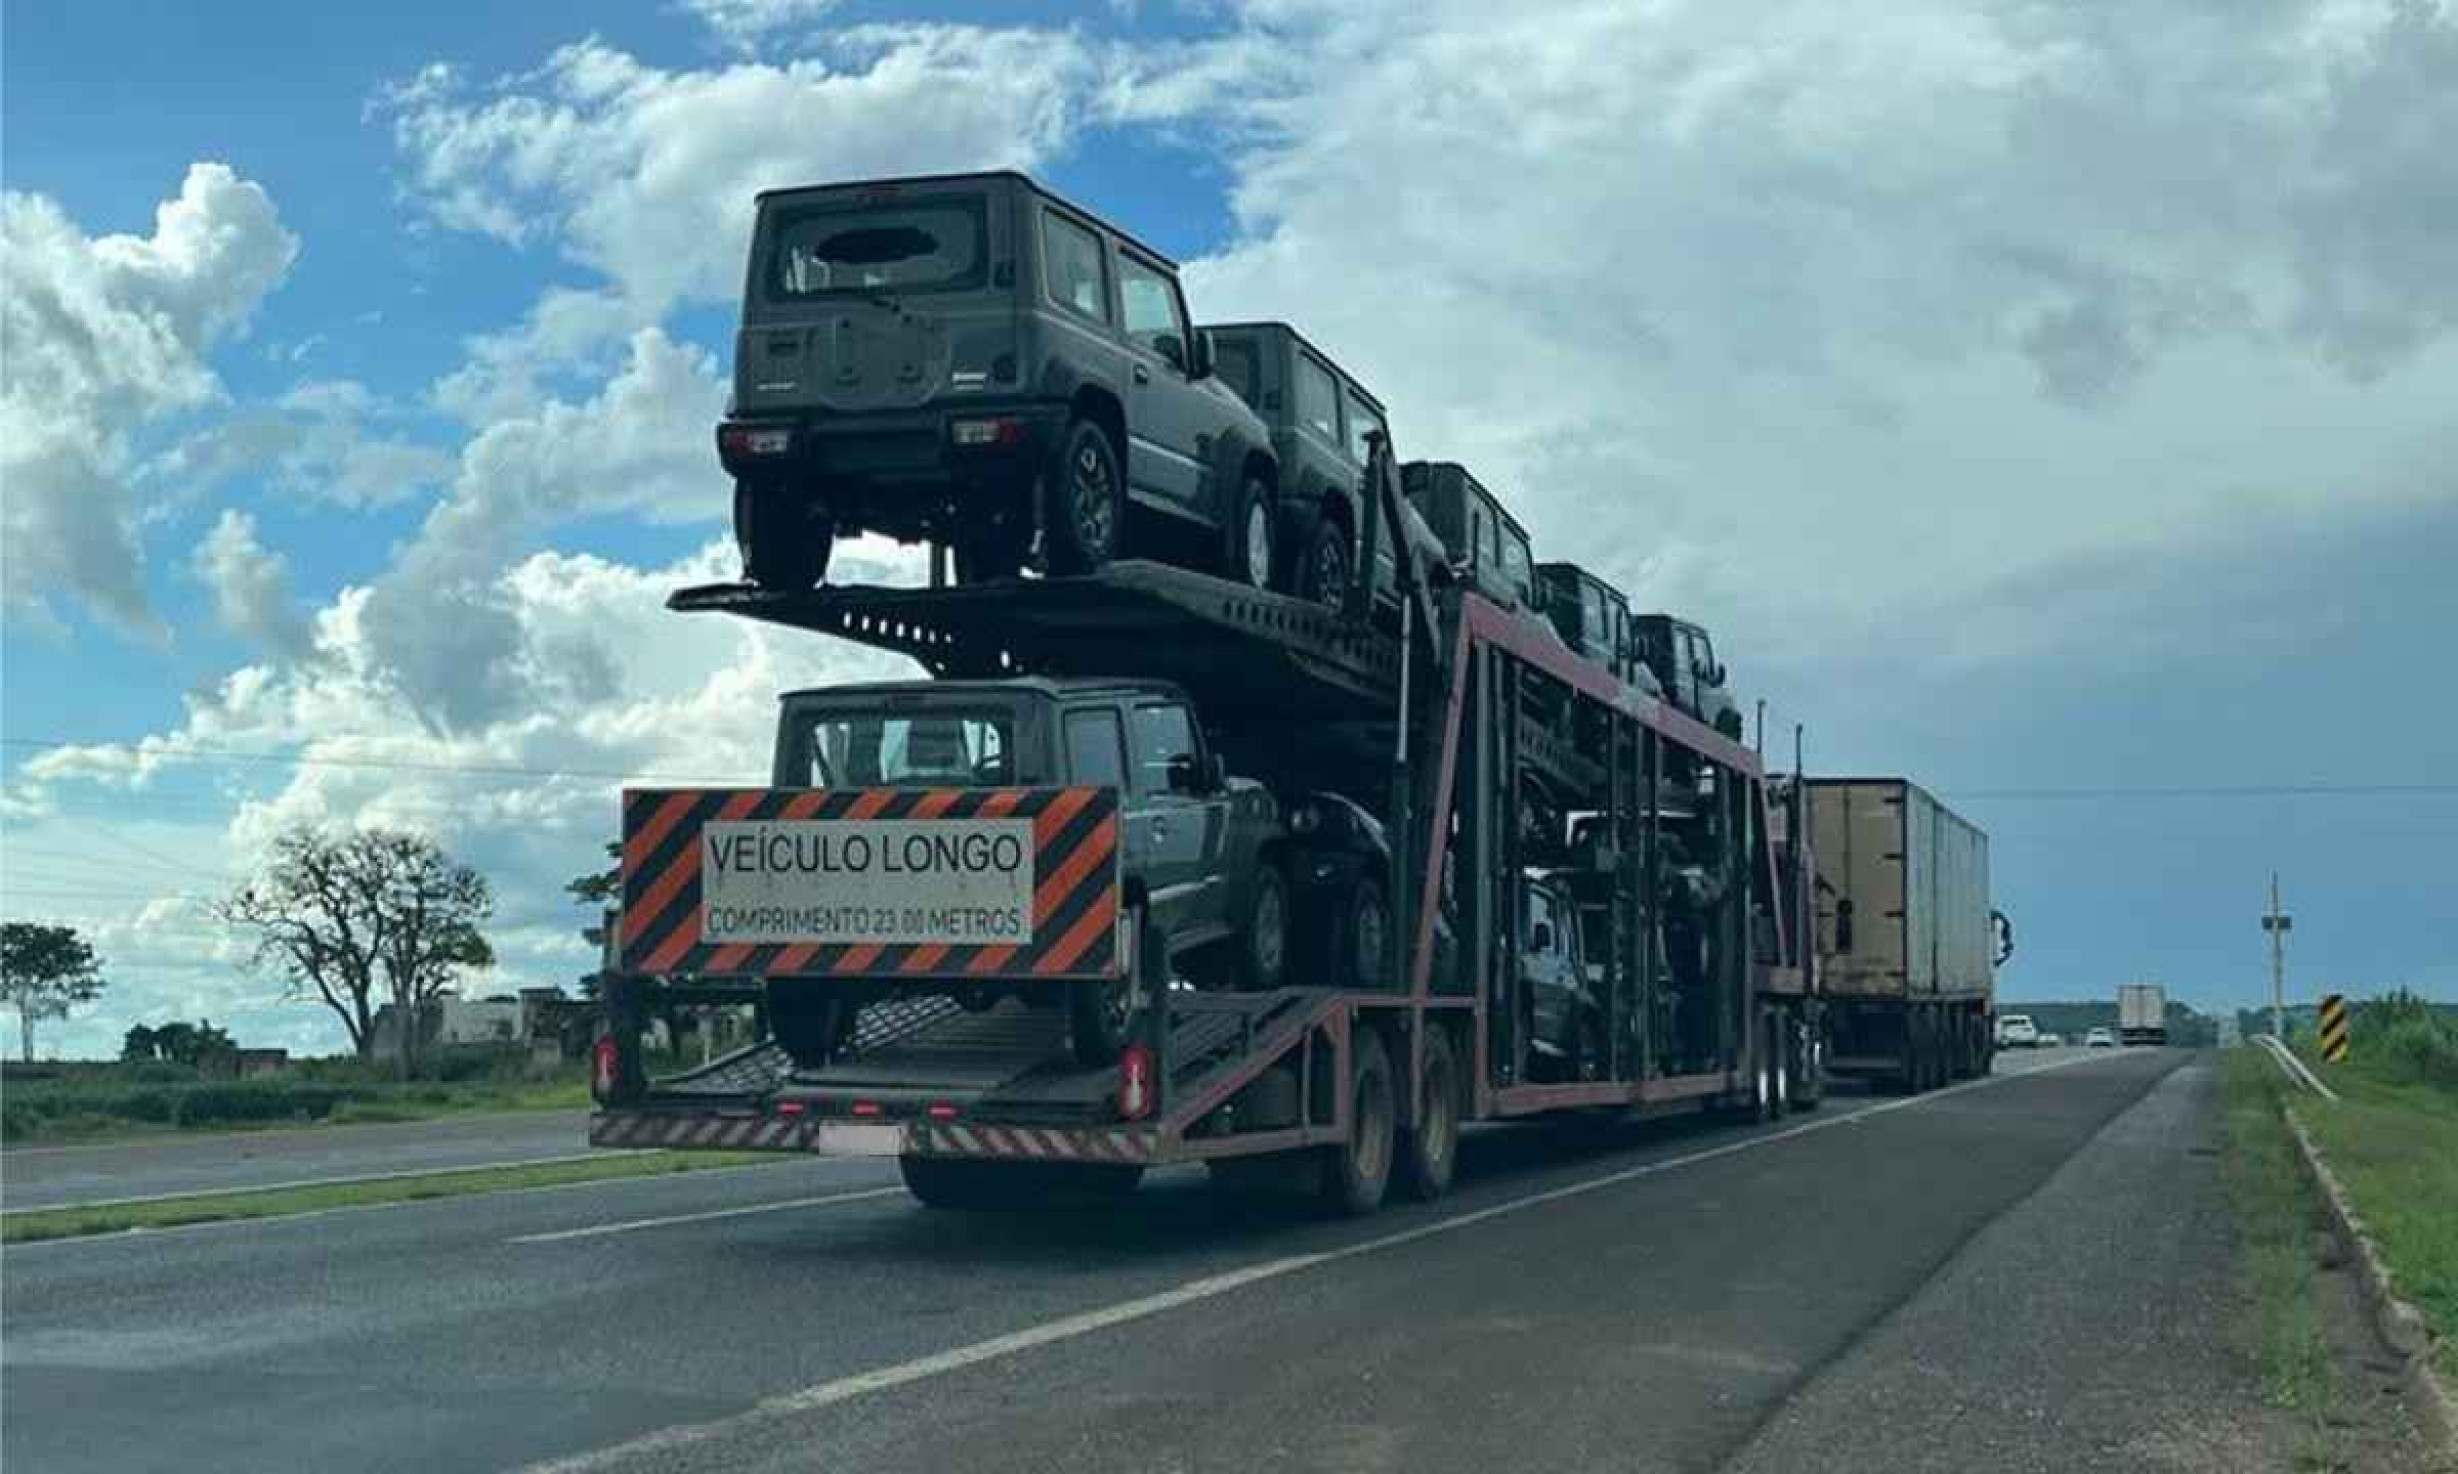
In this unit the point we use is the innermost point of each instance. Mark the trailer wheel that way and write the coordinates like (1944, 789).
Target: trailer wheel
(1429, 1151)
(1358, 1170)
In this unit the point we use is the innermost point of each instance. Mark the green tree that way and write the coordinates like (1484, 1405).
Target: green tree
(366, 918)
(44, 972)
(139, 1045)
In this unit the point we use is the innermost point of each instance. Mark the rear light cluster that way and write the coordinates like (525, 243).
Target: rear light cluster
(1135, 1082)
(755, 440)
(605, 1067)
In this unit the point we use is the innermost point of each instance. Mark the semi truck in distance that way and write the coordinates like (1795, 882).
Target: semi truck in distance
(1907, 944)
(2142, 1013)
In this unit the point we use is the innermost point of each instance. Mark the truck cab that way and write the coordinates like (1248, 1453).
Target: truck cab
(1200, 850)
(1684, 663)
(1320, 417)
(971, 360)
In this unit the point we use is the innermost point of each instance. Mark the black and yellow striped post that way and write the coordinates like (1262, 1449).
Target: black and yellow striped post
(2334, 1028)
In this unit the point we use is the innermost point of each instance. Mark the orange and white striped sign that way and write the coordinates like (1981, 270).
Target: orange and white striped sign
(871, 882)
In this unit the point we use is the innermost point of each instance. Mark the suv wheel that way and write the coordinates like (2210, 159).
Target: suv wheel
(1263, 941)
(988, 554)
(1101, 1015)
(1089, 512)
(1250, 546)
(1366, 925)
(784, 537)
(1324, 574)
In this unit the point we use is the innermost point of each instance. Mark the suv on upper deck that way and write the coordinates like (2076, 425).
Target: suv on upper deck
(971, 360)
(1594, 619)
(1200, 851)
(1685, 664)
(1484, 542)
(1320, 419)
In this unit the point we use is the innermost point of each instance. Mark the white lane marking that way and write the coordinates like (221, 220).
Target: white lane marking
(275, 1220)
(599, 1229)
(1083, 1323)
(240, 1189)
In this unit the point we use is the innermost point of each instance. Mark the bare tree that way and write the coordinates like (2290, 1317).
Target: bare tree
(44, 972)
(356, 920)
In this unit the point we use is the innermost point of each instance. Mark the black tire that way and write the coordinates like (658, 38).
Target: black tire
(784, 536)
(1429, 1150)
(1589, 1054)
(1101, 1015)
(813, 1030)
(1087, 515)
(1327, 564)
(1809, 1089)
(1259, 953)
(988, 554)
(1254, 536)
(1364, 925)
(1357, 1172)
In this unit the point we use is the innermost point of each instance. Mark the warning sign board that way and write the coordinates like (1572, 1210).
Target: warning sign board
(918, 883)
(2334, 1028)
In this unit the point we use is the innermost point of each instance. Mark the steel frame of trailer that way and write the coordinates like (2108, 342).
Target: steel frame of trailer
(1493, 656)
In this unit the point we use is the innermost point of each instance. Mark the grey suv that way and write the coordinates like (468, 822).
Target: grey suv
(1594, 619)
(1320, 420)
(1684, 662)
(970, 360)
(1200, 851)
(1486, 543)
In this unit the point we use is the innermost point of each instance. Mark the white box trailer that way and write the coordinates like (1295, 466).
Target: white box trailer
(1906, 946)
(2142, 1013)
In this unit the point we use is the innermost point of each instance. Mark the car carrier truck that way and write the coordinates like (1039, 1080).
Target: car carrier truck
(1907, 944)
(1503, 773)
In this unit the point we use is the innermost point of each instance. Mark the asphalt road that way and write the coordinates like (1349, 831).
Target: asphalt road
(1677, 1296)
(47, 1177)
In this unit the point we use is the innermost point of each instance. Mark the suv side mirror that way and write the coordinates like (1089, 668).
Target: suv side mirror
(1197, 775)
(1173, 348)
(1540, 937)
(1201, 365)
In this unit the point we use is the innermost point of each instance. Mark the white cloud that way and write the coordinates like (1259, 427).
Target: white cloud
(321, 441)
(746, 24)
(647, 175)
(105, 335)
(251, 587)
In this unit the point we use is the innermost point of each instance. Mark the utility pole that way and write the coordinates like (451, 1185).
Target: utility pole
(2277, 923)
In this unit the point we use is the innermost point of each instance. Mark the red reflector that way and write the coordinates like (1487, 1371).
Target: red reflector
(1135, 1082)
(789, 1108)
(866, 1108)
(605, 1067)
(942, 1111)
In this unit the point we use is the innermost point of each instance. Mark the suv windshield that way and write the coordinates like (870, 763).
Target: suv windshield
(855, 247)
(946, 749)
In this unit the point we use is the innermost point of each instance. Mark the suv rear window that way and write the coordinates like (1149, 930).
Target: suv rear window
(941, 749)
(853, 247)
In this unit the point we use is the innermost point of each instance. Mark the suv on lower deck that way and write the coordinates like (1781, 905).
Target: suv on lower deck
(1200, 851)
(1321, 420)
(970, 360)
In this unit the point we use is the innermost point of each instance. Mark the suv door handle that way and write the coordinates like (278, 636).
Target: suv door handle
(1143, 375)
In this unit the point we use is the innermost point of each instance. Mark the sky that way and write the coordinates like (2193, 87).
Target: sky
(2055, 404)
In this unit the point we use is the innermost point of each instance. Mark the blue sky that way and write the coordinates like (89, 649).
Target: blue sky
(2028, 405)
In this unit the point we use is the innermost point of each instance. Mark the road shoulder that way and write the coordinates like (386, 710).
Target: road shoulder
(2090, 1326)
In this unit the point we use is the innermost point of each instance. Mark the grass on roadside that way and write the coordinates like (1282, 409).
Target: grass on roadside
(2392, 1141)
(33, 1224)
(2277, 1214)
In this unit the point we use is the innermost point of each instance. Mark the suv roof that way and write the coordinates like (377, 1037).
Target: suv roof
(1434, 469)
(983, 176)
(1276, 326)
(1052, 687)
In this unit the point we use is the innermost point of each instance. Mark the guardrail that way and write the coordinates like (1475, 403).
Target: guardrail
(2295, 1068)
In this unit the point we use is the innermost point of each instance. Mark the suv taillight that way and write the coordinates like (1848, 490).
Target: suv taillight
(605, 1068)
(1135, 1082)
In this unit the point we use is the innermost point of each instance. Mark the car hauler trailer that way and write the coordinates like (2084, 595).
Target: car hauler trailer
(1502, 766)
(1905, 943)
